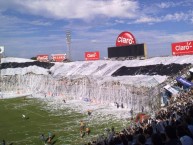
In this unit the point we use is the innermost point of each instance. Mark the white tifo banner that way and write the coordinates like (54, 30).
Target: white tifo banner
(1, 49)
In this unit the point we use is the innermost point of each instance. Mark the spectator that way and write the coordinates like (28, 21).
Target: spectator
(42, 137)
(156, 139)
(142, 109)
(184, 135)
(148, 133)
(87, 130)
(130, 139)
(117, 105)
(82, 125)
(49, 137)
(89, 112)
(163, 137)
(3, 142)
(190, 126)
(141, 139)
(131, 112)
(171, 135)
(122, 105)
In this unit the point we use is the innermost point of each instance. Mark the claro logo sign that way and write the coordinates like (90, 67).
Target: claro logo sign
(125, 38)
(92, 55)
(182, 48)
(43, 58)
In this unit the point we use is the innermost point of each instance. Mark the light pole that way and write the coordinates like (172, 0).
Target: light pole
(68, 43)
(1, 52)
(0, 77)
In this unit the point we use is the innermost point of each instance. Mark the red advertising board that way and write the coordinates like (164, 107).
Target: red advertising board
(42, 58)
(58, 57)
(92, 55)
(125, 39)
(182, 48)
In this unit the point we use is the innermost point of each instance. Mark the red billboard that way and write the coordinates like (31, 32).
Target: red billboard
(58, 57)
(92, 55)
(42, 58)
(125, 39)
(182, 48)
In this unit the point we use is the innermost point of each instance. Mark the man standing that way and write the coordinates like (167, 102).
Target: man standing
(3, 142)
(142, 108)
(131, 112)
(89, 112)
(87, 130)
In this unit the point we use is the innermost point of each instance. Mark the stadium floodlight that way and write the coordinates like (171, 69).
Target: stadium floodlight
(68, 43)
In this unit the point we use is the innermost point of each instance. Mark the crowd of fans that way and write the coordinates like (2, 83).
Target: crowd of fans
(172, 125)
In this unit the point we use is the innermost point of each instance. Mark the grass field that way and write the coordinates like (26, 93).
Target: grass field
(64, 123)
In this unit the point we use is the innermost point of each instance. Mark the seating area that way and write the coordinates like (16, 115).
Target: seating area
(172, 124)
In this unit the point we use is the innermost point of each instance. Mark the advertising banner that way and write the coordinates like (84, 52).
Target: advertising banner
(184, 82)
(125, 39)
(171, 89)
(182, 48)
(58, 57)
(92, 55)
(137, 50)
(42, 58)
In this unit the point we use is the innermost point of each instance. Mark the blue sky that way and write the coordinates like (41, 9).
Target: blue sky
(32, 27)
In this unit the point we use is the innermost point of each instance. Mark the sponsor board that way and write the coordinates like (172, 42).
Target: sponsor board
(42, 58)
(171, 89)
(125, 38)
(182, 48)
(130, 51)
(58, 57)
(92, 55)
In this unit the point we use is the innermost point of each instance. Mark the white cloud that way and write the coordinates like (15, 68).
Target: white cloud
(40, 23)
(191, 17)
(164, 11)
(93, 9)
(94, 41)
(164, 5)
(169, 4)
(178, 16)
(147, 19)
(13, 21)
(84, 9)
(119, 21)
(179, 37)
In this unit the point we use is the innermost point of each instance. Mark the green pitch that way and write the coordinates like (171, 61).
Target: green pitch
(63, 123)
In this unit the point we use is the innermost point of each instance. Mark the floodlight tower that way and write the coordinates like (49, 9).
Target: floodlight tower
(68, 43)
